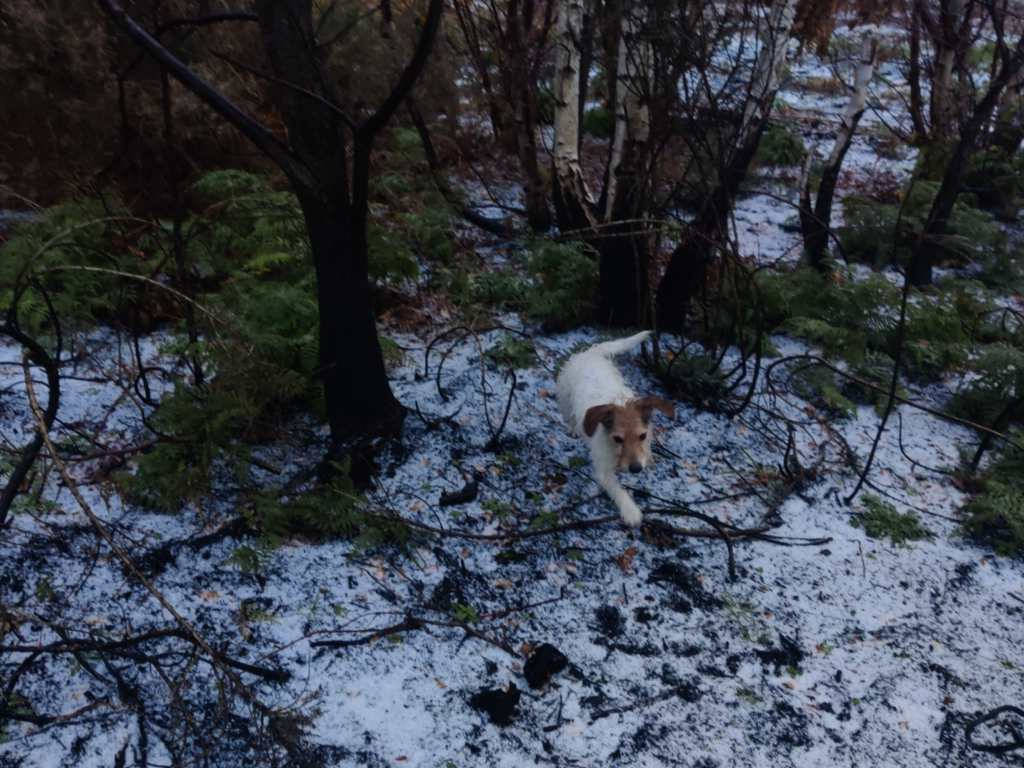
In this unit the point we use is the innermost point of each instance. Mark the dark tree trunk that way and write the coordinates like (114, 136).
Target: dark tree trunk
(1008, 131)
(625, 250)
(358, 396)
(687, 269)
(538, 214)
(927, 245)
(914, 75)
(356, 389)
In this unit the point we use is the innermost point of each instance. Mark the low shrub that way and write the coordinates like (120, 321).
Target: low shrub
(599, 122)
(780, 145)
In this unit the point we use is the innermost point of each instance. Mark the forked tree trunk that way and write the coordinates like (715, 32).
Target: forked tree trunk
(687, 268)
(622, 243)
(817, 222)
(315, 160)
(356, 389)
(928, 243)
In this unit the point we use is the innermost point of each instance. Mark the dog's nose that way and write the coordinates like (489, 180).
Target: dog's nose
(635, 467)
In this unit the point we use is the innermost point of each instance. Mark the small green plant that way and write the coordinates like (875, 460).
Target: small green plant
(599, 122)
(513, 352)
(879, 519)
(780, 145)
(394, 355)
(696, 378)
(248, 558)
(544, 520)
(45, 591)
(748, 695)
(501, 509)
(466, 614)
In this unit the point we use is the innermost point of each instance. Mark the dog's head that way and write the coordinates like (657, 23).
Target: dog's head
(628, 428)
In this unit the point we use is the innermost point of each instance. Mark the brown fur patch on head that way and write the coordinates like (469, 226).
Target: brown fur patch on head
(650, 403)
(598, 414)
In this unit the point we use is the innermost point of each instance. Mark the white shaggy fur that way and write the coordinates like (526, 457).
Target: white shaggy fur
(587, 379)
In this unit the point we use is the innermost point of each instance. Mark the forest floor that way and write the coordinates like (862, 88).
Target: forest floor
(827, 647)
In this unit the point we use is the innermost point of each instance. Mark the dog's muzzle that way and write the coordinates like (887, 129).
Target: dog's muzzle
(635, 467)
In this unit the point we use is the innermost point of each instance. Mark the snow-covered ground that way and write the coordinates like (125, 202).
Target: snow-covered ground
(847, 651)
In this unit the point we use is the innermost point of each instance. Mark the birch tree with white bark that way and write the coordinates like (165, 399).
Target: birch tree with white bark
(816, 222)
(687, 268)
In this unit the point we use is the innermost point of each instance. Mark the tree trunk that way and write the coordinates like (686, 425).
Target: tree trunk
(525, 100)
(817, 223)
(573, 202)
(942, 108)
(914, 75)
(1008, 131)
(358, 396)
(356, 389)
(687, 269)
(586, 60)
(625, 247)
(927, 245)
(686, 274)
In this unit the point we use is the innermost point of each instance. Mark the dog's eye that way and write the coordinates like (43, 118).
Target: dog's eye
(616, 438)
(643, 436)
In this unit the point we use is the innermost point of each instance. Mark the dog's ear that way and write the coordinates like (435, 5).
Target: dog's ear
(650, 403)
(599, 414)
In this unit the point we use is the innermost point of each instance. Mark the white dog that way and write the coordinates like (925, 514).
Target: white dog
(596, 403)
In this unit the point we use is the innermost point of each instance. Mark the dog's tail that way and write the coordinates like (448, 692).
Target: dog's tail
(618, 346)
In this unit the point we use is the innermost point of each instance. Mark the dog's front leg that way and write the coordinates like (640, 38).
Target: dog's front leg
(628, 510)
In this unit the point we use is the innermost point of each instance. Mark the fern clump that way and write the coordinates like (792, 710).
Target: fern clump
(857, 320)
(500, 290)
(996, 518)
(79, 235)
(565, 279)
(997, 380)
(819, 386)
(879, 233)
(879, 519)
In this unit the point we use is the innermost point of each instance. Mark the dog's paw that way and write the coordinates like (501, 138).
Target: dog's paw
(631, 515)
